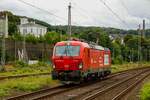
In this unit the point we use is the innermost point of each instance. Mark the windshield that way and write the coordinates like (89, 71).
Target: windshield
(67, 50)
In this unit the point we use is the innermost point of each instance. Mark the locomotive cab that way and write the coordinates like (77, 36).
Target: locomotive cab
(67, 61)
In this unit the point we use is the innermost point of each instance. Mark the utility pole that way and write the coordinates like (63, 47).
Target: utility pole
(4, 33)
(24, 48)
(113, 53)
(69, 20)
(139, 44)
(132, 55)
(143, 36)
(143, 31)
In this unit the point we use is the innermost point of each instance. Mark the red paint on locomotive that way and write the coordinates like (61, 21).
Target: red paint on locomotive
(76, 61)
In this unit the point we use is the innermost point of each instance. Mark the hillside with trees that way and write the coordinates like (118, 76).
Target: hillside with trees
(121, 52)
(14, 20)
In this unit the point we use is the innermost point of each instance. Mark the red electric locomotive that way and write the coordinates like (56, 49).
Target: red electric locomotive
(75, 61)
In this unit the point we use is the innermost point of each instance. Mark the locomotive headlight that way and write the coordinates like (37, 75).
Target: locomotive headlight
(53, 66)
(80, 65)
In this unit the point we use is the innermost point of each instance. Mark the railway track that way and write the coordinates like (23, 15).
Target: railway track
(117, 90)
(47, 93)
(52, 91)
(34, 95)
(21, 76)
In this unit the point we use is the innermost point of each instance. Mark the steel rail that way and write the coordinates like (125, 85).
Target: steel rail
(91, 97)
(36, 93)
(48, 92)
(33, 93)
(21, 76)
(48, 95)
(125, 91)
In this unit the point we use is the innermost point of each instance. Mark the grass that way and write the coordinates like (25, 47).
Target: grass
(145, 92)
(30, 69)
(27, 84)
(126, 66)
(26, 70)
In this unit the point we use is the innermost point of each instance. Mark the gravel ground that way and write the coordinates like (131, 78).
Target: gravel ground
(82, 91)
(135, 93)
(85, 90)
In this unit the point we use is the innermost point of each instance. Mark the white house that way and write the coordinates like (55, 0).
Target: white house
(113, 37)
(27, 27)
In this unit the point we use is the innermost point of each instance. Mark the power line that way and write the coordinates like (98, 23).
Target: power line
(77, 11)
(50, 13)
(85, 13)
(115, 14)
(82, 11)
(42, 10)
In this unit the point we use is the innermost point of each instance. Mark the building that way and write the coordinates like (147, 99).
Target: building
(113, 37)
(27, 27)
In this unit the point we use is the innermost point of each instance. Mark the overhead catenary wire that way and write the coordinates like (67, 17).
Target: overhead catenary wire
(46, 11)
(81, 11)
(114, 13)
(77, 11)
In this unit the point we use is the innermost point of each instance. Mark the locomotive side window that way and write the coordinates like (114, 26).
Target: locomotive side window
(67, 50)
(106, 59)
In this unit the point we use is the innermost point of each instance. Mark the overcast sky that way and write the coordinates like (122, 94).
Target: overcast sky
(84, 12)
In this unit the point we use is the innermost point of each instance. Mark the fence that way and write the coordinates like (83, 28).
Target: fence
(38, 51)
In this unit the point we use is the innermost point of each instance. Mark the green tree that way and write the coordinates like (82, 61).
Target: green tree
(41, 39)
(17, 37)
(52, 37)
(31, 38)
(104, 40)
(127, 37)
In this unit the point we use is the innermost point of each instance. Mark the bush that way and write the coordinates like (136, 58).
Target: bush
(117, 60)
(20, 64)
(31, 38)
(39, 64)
(145, 92)
(42, 64)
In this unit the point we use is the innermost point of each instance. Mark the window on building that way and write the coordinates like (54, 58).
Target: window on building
(24, 31)
(31, 30)
(41, 31)
(37, 31)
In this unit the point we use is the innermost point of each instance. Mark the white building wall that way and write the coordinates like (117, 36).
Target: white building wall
(37, 31)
